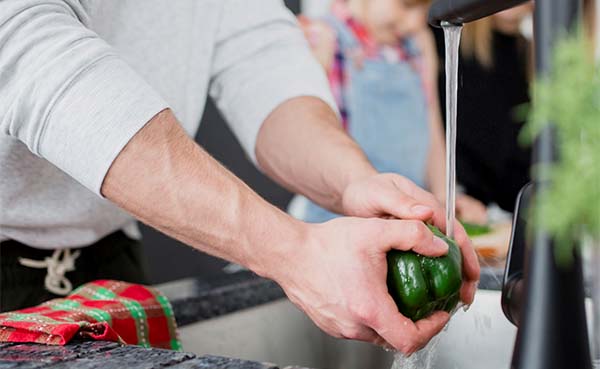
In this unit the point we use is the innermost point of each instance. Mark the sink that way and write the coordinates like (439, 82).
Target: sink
(479, 338)
(278, 332)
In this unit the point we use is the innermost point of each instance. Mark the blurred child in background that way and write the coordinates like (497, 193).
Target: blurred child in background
(382, 65)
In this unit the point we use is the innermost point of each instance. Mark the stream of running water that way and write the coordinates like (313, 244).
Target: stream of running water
(452, 38)
(424, 358)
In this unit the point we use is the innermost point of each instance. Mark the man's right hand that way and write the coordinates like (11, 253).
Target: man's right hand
(336, 271)
(338, 278)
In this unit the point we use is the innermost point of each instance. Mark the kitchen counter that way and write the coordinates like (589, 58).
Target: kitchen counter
(195, 299)
(109, 355)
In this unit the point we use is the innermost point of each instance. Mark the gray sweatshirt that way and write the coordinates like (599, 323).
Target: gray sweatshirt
(79, 78)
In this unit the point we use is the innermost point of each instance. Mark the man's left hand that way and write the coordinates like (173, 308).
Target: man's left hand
(391, 195)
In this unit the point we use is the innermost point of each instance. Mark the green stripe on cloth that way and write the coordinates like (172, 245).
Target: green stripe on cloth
(99, 315)
(166, 305)
(94, 292)
(64, 305)
(172, 325)
(70, 305)
(176, 345)
(19, 317)
(103, 294)
(141, 321)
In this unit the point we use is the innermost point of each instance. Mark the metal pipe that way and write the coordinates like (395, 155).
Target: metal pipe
(552, 323)
(512, 285)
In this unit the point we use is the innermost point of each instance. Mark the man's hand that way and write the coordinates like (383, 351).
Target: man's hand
(335, 271)
(391, 195)
(338, 278)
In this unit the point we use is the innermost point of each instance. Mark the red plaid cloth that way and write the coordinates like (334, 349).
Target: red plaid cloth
(101, 310)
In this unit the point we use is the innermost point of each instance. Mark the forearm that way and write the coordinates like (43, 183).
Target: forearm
(303, 146)
(436, 162)
(166, 180)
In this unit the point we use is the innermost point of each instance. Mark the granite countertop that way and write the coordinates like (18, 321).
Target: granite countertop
(195, 299)
(109, 355)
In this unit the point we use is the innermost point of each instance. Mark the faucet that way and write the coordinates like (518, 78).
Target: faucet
(543, 299)
(465, 11)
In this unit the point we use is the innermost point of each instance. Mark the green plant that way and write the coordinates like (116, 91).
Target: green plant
(568, 98)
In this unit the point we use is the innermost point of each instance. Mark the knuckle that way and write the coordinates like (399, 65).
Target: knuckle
(419, 231)
(399, 180)
(364, 314)
(351, 333)
(332, 331)
(407, 348)
(376, 226)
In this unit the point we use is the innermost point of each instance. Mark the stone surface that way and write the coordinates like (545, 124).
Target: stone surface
(108, 355)
(195, 300)
(217, 362)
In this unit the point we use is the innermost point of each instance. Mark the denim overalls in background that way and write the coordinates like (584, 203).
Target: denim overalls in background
(387, 116)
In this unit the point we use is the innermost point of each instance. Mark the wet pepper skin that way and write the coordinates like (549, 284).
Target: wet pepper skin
(421, 285)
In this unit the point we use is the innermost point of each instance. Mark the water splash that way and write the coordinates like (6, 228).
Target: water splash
(422, 359)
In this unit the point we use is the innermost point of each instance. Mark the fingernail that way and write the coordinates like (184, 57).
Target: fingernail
(420, 209)
(440, 244)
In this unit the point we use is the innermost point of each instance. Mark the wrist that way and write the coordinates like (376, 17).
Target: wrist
(353, 178)
(276, 245)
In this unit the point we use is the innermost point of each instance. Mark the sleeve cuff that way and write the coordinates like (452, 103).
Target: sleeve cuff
(93, 120)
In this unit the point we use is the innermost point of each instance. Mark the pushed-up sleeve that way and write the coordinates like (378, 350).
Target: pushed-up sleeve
(261, 60)
(64, 92)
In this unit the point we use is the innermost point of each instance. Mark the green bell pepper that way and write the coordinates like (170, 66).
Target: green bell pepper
(421, 285)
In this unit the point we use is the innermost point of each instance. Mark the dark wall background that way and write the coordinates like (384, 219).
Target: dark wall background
(168, 259)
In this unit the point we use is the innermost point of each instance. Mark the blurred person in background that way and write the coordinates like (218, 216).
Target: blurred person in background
(382, 66)
(495, 66)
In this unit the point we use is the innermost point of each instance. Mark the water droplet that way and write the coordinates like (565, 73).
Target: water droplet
(388, 349)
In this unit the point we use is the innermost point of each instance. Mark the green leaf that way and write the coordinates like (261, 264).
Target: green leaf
(569, 100)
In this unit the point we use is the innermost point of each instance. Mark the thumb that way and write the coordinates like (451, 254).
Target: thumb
(410, 235)
(400, 205)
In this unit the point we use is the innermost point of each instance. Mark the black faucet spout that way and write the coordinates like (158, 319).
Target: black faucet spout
(465, 11)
